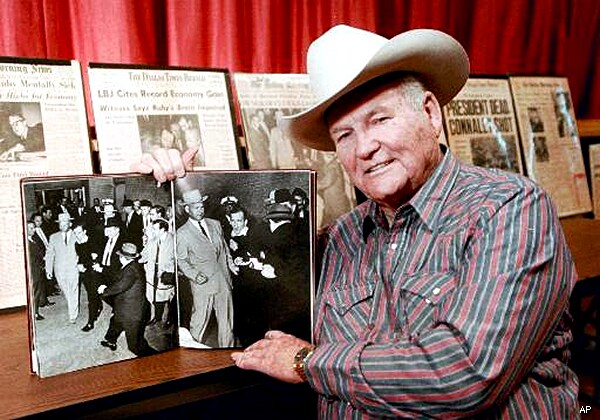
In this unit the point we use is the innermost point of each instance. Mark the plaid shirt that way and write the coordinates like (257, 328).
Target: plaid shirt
(459, 308)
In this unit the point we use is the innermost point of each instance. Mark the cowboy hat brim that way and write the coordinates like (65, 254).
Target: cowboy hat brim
(437, 59)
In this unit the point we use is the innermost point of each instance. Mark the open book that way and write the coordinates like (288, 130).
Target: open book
(129, 269)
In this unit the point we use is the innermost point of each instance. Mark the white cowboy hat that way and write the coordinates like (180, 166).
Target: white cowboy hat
(344, 58)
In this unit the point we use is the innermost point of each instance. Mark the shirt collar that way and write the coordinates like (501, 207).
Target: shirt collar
(429, 200)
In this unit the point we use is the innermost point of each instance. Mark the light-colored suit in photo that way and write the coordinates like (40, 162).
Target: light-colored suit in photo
(205, 263)
(61, 260)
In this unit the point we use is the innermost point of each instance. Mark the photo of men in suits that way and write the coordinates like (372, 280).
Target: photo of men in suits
(204, 259)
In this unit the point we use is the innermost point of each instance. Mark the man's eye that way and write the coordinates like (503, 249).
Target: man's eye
(342, 136)
(381, 119)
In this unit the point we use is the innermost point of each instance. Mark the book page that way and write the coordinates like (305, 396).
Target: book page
(262, 98)
(481, 125)
(550, 141)
(43, 131)
(138, 109)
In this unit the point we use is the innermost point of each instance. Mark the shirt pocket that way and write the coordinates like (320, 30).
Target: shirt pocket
(422, 299)
(344, 299)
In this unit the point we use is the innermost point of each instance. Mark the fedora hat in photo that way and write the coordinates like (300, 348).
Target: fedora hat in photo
(64, 217)
(193, 196)
(128, 250)
(344, 58)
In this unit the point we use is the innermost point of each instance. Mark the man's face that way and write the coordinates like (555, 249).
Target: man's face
(80, 234)
(37, 221)
(387, 145)
(18, 124)
(64, 225)
(195, 210)
(153, 214)
(145, 210)
(127, 210)
(47, 214)
(184, 124)
(30, 229)
(109, 210)
(136, 205)
(238, 222)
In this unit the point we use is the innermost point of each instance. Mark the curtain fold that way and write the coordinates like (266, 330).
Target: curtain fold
(554, 37)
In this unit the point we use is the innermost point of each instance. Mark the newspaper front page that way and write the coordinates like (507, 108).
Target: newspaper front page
(481, 125)
(43, 126)
(550, 140)
(262, 99)
(138, 109)
(594, 154)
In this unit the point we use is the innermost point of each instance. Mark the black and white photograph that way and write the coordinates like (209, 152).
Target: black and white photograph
(535, 119)
(541, 149)
(495, 152)
(21, 132)
(562, 109)
(101, 270)
(244, 254)
(178, 131)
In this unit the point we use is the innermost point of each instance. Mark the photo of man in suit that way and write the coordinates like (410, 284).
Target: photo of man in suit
(61, 261)
(204, 259)
(130, 307)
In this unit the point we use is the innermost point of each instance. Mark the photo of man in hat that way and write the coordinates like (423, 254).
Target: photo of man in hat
(61, 261)
(130, 308)
(203, 257)
(444, 294)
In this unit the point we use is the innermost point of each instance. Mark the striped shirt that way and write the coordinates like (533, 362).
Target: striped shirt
(459, 308)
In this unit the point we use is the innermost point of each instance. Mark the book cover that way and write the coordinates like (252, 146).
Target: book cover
(211, 261)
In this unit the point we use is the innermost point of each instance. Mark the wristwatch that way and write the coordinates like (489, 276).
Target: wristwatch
(300, 359)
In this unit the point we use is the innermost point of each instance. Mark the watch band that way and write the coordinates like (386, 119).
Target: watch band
(300, 359)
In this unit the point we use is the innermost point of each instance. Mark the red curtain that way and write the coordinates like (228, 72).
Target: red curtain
(551, 37)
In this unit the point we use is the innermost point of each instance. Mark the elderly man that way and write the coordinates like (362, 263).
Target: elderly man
(204, 259)
(445, 294)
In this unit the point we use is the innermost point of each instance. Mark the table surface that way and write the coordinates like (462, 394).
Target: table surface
(24, 393)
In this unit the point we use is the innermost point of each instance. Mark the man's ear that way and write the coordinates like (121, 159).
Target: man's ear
(433, 111)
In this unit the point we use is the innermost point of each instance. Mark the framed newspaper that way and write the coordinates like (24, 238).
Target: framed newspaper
(262, 98)
(594, 156)
(138, 108)
(550, 140)
(481, 126)
(43, 124)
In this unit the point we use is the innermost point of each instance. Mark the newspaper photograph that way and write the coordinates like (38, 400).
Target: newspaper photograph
(481, 125)
(262, 99)
(42, 125)
(550, 140)
(594, 154)
(138, 108)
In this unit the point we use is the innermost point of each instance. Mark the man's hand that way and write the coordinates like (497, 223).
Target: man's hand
(166, 164)
(102, 288)
(273, 355)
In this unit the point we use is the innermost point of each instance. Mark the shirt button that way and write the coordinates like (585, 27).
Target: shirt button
(394, 246)
(427, 301)
(436, 291)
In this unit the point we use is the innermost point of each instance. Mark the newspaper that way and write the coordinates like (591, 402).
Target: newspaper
(594, 154)
(138, 108)
(481, 125)
(264, 97)
(42, 125)
(550, 140)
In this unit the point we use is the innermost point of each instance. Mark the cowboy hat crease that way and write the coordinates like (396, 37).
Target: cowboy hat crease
(344, 58)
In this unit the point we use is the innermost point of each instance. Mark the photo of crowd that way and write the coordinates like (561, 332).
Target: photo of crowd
(178, 131)
(101, 271)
